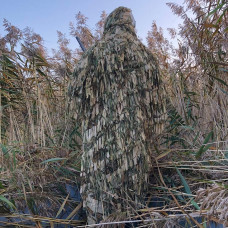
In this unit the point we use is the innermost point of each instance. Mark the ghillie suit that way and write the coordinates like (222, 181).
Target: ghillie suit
(120, 101)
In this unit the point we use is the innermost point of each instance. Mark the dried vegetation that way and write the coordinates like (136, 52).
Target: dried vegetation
(40, 141)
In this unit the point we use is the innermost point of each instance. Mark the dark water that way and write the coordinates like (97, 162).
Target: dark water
(74, 194)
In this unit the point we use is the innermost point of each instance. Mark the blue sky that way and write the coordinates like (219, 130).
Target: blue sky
(47, 16)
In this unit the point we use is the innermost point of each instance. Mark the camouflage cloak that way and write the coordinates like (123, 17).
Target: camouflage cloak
(119, 99)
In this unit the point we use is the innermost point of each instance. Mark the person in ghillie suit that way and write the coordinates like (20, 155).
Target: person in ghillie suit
(120, 102)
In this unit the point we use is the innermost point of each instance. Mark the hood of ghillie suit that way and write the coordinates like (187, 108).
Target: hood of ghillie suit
(120, 19)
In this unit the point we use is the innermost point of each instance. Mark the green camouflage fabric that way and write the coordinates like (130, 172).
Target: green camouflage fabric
(120, 103)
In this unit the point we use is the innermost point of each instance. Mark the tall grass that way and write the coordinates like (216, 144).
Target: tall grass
(40, 139)
(40, 149)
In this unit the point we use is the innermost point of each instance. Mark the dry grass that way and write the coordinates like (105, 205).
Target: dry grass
(40, 142)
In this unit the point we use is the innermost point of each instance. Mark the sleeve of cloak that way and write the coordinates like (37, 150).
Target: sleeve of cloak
(77, 86)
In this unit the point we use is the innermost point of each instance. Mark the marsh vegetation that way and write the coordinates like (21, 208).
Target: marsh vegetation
(40, 138)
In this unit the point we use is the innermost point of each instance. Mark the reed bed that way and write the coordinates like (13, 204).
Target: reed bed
(40, 142)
